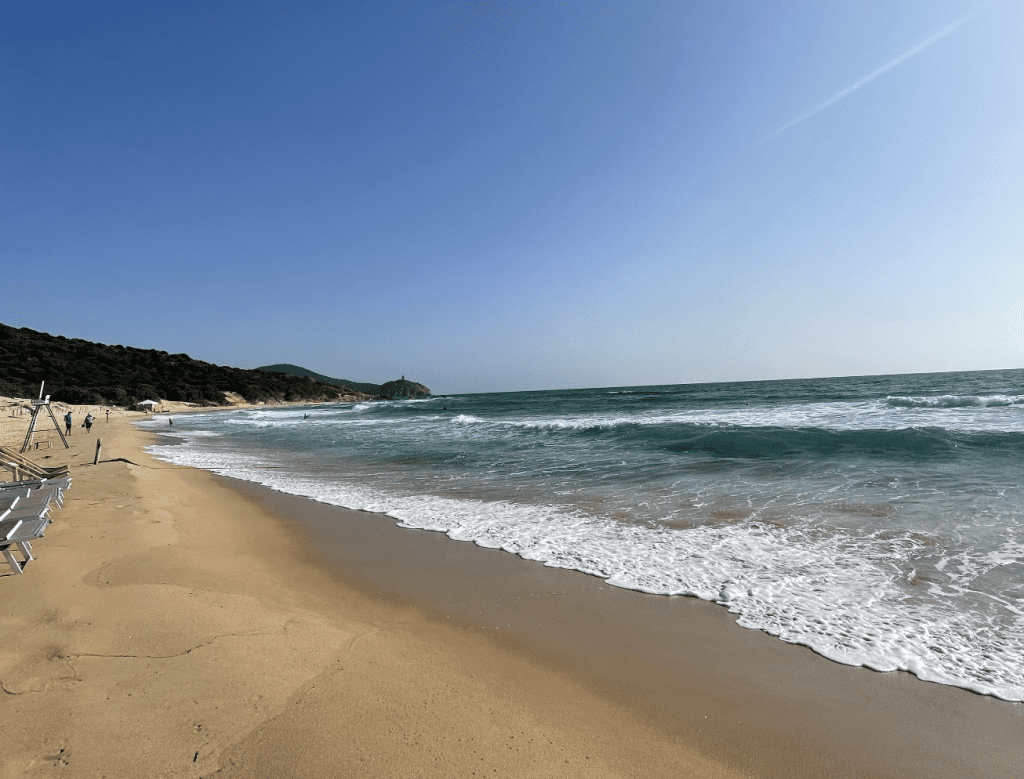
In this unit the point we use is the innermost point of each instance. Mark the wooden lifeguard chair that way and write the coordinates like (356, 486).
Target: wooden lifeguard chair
(37, 406)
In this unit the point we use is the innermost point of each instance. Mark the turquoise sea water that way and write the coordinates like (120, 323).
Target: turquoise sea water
(878, 520)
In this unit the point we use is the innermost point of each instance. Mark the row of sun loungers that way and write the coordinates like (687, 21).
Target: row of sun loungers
(25, 512)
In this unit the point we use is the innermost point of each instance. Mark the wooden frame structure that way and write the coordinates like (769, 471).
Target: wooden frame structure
(37, 406)
(23, 468)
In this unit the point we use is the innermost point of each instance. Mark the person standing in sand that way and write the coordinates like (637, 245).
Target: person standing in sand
(88, 421)
(67, 422)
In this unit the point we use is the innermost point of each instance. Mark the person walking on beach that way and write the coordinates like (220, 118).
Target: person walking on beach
(67, 422)
(88, 421)
(108, 414)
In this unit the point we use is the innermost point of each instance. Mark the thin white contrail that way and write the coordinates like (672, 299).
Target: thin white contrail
(873, 75)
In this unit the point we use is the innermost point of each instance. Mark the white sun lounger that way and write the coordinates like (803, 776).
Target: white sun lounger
(10, 498)
(56, 487)
(24, 515)
(15, 531)
(7, 528)
(44, 495)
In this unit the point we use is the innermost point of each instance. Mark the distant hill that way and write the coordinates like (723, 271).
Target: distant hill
(402, 389)
(295, 370)
(83, 372)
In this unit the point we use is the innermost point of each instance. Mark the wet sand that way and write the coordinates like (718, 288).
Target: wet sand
(176, 623)
(740, 696)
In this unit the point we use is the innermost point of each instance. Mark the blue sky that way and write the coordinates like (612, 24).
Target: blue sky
(502, 196)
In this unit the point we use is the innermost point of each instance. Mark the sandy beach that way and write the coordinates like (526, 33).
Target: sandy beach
(179, 624)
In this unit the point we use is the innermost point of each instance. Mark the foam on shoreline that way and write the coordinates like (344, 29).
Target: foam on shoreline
(184, 624)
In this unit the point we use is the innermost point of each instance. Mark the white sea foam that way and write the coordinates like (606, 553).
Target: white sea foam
(838, 416)
(836, 592)
(952, 412)
(955, 401)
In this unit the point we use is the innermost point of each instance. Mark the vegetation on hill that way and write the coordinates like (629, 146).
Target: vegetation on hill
(402, 388)
(82, 372)
(295, 370)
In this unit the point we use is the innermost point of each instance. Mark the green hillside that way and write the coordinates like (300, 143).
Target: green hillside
(82, 372)
(295, 370)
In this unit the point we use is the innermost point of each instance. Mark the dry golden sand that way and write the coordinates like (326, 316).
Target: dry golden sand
(179, 624)
(170, 628)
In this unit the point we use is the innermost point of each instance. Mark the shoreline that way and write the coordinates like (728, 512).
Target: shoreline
(760, 705)
(232, 630)
(170, 627)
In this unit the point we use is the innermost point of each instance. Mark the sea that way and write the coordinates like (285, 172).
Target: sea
(878, 520)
